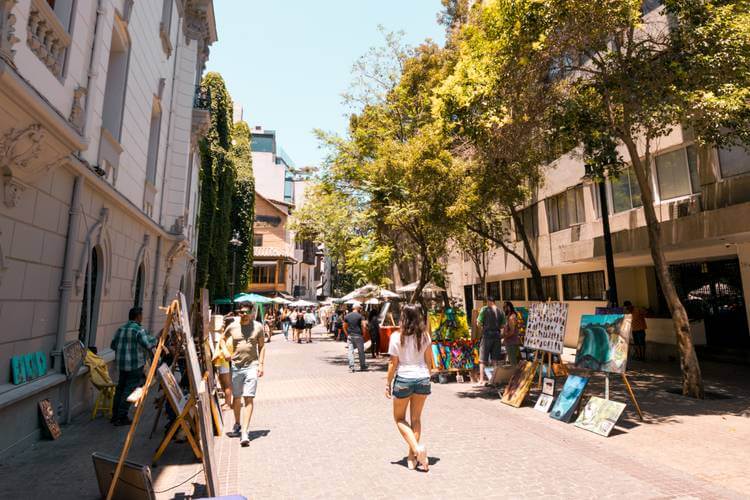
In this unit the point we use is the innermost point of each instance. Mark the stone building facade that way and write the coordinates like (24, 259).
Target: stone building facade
(99, 122)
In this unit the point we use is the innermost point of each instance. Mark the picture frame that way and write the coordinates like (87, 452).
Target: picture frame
(134, 483)
(548, 386)
(49, 421)
(73, 354)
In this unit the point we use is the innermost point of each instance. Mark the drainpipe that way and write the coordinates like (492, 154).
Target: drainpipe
(91, 74)
(66, 284)
(155, 287)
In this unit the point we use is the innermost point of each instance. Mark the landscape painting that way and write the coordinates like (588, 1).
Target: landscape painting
(519, 384)
(600, 416)
(568, 399)
(603, 342)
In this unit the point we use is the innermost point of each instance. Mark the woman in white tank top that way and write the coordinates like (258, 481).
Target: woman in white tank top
(408, 382)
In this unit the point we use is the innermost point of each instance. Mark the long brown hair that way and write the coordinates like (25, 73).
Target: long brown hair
(412, 323)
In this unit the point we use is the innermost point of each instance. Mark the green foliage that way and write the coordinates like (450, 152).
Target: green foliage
(243, 203)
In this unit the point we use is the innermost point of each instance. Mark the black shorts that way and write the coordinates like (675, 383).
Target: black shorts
(639, 337)
(489, 347)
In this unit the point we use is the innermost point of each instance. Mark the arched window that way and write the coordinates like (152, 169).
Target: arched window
(91, 295)
(139, 279)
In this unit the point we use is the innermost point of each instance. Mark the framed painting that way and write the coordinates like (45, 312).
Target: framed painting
(603, 342)
(600, 416)
(520, 383)
(545, 330)
(569, 398)
(73, 354)
(134, 483)
(49, 420)
(548, 386)
(544, 403)
(171, 388)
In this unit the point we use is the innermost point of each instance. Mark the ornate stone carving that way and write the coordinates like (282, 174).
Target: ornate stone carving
(179, 248)
(7, 30)
(12, 190)
(143, 257)
(77, 111)
(46, 36)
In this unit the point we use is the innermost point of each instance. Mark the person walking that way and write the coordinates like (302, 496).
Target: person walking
(299, 325)
(354, 326)
(408, 380)
(510, 334)
(310, 322)
(285, 323)
(293, 324)
(373, 326)
(638, 327)
(268, 325)
(491, 320)
(248, 359)
(130, 343)
(221, 359)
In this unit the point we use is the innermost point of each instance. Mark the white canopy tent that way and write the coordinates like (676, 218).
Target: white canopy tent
(428, 288)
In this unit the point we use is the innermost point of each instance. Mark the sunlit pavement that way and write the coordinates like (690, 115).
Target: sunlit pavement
(321, 431)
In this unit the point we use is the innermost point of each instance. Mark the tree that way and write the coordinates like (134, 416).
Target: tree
(243, 203)
(626, 79)
(217, 176)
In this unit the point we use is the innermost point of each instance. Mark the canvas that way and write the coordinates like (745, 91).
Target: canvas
(519, 385)
(171, 388)
(544, 403)
(545, 329)
(19, 370)
(548, 386)
(49, 420)
(568, 399)
(600, 416)
(603, 342)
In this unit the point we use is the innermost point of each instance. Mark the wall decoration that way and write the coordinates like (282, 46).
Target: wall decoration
(18, 369)
(48, 419)
(29, 360)
(41, 363)
(600, 416)
(603, 342)
(519, 385)
(545, 329)
(544, 403)
(548, 386)
(568, 399)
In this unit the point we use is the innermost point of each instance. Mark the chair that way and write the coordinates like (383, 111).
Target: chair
(100, 379)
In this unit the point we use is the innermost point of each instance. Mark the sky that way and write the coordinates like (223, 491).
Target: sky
(288, 61)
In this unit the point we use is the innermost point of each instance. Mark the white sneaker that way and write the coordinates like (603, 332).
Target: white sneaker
(245, 440)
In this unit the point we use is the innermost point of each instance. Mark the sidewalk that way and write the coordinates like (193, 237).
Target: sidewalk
(320, 431)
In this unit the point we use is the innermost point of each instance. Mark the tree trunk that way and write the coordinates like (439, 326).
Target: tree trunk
(424, 274)
(536, 275)
(692, 382)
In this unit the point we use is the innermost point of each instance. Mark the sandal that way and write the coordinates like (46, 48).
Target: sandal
(422, 458)
(411, 461)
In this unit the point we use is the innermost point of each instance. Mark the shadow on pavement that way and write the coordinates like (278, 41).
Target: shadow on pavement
(432, 461)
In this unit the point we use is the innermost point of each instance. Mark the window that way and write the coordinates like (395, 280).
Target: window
(117, 75)
(530, 220)
(493, 290)
(626, 194)
(584, 286)
(264, 274)
(549, 288)
(676, 172)
(479, 292)
(565, 209)
(734, 161)
(63, 10)
(90, 304)
(513, 290)
(153, 144)
(257, 240)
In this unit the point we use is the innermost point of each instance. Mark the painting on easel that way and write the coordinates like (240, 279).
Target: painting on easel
(568, 399)
(519, 384)
(603, 342)
(545, 329)
(171, 388)
(600, 416)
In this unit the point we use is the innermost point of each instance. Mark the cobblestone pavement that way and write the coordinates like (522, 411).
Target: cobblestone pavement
(320, 431)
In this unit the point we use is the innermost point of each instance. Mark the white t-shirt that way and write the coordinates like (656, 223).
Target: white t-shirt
(411, 363)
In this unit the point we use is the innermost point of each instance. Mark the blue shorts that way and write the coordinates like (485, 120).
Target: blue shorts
(405, 387)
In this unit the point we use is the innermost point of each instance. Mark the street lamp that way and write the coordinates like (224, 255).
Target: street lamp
(235, 242)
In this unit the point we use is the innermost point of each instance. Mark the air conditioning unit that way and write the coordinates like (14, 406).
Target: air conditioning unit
(684, 208)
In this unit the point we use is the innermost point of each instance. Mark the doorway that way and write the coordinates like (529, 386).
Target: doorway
(469, 299)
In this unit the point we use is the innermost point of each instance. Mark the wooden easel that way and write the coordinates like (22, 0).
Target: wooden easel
(183, 421)
(630, 392)
(177, 352)
(171, 310)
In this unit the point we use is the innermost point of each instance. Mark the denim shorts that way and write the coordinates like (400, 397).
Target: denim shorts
(245, 381)
(405, 387)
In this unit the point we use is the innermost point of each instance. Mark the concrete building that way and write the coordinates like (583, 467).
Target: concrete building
(703, 203)
(273, 169)
(99, 124)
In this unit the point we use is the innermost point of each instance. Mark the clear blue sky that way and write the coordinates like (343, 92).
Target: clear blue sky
(287, 61)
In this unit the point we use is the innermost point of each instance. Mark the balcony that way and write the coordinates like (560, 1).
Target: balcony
(46, 37)
(201, 114)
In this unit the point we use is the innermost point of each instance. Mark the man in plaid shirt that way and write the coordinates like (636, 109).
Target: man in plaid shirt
(130, 345)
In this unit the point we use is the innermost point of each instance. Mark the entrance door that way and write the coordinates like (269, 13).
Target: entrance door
(712, 291)
(469, 300)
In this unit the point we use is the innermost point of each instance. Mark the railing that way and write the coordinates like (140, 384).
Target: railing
(202, 99)
(47, 38)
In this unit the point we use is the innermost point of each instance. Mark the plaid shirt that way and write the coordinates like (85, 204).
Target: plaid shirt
(130, 344)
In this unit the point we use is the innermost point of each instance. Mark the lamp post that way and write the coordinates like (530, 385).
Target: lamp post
(235, 242)
(607, 235)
